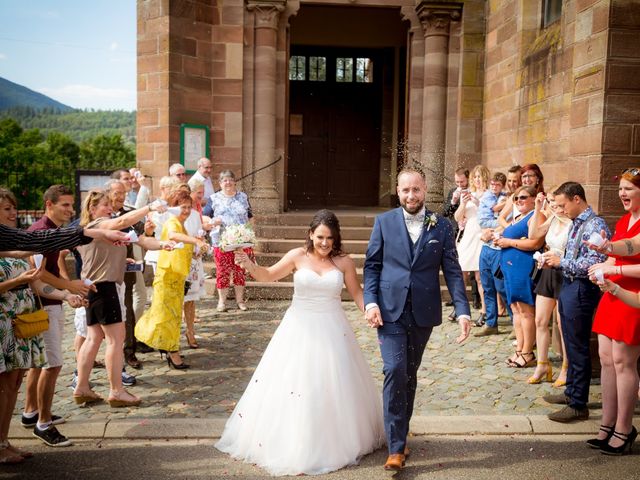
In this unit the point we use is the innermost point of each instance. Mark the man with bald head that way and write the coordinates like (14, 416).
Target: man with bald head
(204, 175)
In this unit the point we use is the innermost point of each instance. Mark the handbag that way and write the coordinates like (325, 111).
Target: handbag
(27, 325)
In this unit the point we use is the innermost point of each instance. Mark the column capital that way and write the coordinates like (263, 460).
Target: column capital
(436, 16)
(267, 11)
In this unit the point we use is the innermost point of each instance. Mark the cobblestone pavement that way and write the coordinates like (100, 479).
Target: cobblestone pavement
(468, 379)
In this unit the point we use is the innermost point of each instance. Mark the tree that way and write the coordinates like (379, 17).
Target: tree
(107, 152)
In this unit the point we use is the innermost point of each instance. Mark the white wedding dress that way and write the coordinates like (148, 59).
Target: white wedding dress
(311, 406)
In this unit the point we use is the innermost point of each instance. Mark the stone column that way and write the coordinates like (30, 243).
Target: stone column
(436, 18)
(265, 198)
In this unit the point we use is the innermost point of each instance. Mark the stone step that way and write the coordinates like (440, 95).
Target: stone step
(303, 218)
(265, 245)
(284, 291)
(291, 232)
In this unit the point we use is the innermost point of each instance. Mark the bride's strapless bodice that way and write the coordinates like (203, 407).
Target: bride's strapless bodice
(310, 287)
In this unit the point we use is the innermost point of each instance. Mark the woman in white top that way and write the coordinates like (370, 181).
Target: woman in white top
(556, 232)
(470, 245)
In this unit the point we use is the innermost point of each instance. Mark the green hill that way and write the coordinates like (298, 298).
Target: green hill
(14, 95)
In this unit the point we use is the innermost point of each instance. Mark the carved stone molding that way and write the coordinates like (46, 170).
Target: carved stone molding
(436, 17)
(267, 12)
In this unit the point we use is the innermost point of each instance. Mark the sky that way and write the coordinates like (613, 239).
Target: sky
(81, 53)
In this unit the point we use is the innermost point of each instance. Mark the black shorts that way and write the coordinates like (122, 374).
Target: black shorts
(549, 283)
(104, 305)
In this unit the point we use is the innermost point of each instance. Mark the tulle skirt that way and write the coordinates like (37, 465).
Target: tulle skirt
(311, 406)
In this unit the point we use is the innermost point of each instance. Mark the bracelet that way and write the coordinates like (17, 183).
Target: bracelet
(148, 235)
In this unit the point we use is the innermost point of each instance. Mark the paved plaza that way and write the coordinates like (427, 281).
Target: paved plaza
(468, 379)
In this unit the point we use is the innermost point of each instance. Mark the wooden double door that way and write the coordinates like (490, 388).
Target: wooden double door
(335, 127)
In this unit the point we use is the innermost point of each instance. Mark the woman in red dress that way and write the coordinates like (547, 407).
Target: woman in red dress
(617, 323)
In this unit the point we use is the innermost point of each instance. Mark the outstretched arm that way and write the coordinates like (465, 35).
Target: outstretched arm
(269, 274)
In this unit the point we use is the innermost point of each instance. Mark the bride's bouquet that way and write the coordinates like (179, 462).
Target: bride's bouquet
(235, 237)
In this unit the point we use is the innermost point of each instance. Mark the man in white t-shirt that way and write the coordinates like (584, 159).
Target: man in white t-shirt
(204, 175)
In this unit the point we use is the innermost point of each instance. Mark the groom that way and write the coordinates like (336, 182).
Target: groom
(407, 249)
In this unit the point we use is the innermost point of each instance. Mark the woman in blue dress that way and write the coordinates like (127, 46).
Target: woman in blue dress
(516, 263)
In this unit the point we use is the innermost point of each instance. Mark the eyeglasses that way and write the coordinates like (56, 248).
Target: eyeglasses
(529, 175)
(632, 171)
(521, 197)
(181, 174)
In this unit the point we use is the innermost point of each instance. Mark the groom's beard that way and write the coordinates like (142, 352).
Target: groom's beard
(413, 210)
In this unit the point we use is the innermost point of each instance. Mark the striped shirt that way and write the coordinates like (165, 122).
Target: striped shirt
(41, 240)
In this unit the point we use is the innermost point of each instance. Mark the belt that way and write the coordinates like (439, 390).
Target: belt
(572, 278)
(19, 287)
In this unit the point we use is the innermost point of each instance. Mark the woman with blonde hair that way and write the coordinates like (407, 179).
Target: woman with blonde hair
(159, 327)
(104, 264)
(470, 245)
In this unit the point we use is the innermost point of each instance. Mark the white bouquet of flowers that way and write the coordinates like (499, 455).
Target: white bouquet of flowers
(235, 237)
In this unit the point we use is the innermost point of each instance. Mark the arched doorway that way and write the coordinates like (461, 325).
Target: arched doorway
(346, 105)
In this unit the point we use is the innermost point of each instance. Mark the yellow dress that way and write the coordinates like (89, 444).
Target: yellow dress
(159, 327)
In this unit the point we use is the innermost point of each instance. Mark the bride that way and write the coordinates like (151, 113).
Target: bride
(311, 406)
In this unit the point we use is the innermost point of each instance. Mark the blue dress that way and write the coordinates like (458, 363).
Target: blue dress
(516, 265)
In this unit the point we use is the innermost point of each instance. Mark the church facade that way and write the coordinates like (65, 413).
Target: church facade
(318, 103)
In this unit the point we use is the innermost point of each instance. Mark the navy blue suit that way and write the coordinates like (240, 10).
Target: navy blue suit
(403, 280)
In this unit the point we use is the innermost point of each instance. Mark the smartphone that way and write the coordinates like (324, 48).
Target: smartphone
(134, 267)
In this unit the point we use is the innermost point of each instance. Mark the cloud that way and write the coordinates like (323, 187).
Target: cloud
(114, 46)
(90, 96)
(3, 56)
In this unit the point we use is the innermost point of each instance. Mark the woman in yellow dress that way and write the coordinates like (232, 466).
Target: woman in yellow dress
(159, 327)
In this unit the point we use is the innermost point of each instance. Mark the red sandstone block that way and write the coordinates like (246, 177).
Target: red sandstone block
(144, 151)
(147, 46)
(231, 155)
(205, 13)
(181, 115)
(227, 103)
(156, 134)
(233, 15)
(217, 138)
(584, 4)
(616, 139)
(636, 140)
(624, 44)
(153, 81)
(625, 13)
(153, 63)
(600, 20)
(579, 112)
(212, 51)
(148, 116)
(218, 69)
(188, 83)
(623, 76)
(148, 10)
(590, 81)
(155, 99)
(217, 120)
(191, 29)
(507, 31)
(196, 66)
(585, 140)
(613, 165)
(227, 34)
(227, 87)
(622, 108)
(141, 80)
(590, 51)
(182, 45)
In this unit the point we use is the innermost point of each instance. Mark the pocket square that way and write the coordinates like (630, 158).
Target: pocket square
(433, 241)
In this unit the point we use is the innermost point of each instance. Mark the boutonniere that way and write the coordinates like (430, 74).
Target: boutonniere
(430, 221)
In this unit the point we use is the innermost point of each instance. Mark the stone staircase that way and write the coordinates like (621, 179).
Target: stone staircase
(277, 234)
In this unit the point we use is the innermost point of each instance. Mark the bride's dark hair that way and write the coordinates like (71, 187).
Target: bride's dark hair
(329, 220)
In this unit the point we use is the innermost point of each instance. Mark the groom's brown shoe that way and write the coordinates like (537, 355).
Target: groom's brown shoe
(406, 452)
(395, 461)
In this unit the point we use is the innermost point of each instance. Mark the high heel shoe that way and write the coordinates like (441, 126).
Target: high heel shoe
(177, 366)
(191, 341)
(525, 363)
(598, 443)
(548, 376)
(626, 447)
(163, 353)
(559, 383)
(116, 402)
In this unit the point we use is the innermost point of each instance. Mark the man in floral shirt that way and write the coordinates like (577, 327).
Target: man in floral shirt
(578, 299)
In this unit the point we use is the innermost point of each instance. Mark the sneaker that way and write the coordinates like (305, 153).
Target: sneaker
(74, 381)
(486, 331)
(556, 399)
(482, 319)
(51, 436)
(31, 422)
(452, 316)
(128, 380)
(569, 414)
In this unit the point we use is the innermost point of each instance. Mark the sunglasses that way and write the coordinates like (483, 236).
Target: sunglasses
(521, 197)
(632, 171)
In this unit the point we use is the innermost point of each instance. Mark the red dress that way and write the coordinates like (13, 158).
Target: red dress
(614, 318)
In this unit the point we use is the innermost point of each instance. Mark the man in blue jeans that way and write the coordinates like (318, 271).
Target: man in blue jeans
(490, 254)
(578, 300)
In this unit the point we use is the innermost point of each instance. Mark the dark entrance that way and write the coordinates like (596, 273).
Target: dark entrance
(335, 111)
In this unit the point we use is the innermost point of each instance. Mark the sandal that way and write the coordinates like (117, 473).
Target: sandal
(116, 402)
(525, 363)
(90, 397)
(19, 451)
(7, 456)
(511, 361)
